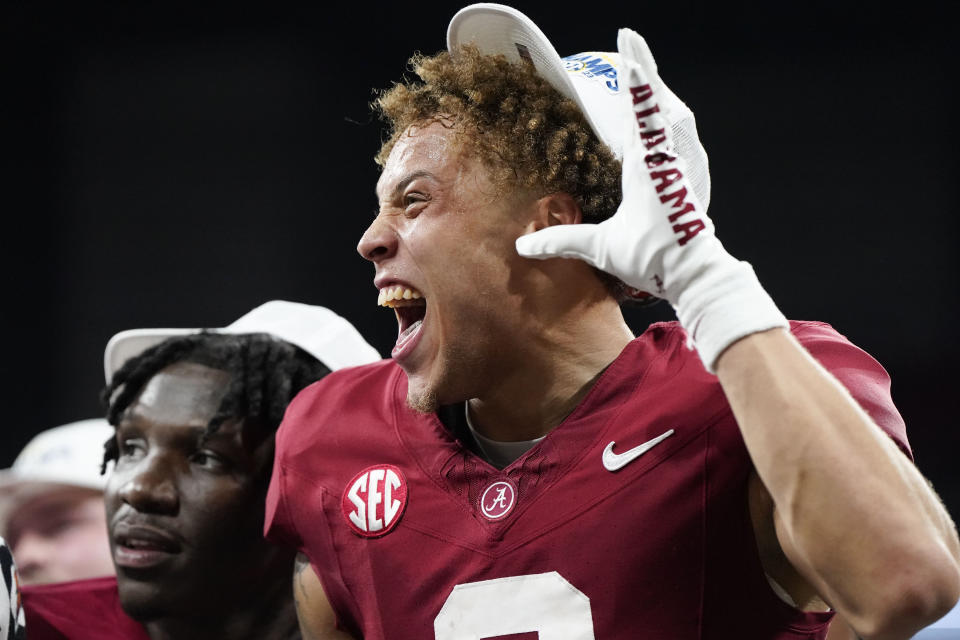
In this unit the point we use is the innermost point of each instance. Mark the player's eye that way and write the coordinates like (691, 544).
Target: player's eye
(209, 460)
(413, 202)
(132, 448)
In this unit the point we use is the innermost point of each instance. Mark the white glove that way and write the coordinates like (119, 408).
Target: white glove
(661, 240)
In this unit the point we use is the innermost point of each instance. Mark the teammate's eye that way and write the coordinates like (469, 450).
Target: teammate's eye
(209, 460)
(132, 448)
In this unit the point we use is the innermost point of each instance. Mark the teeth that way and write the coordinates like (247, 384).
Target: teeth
(390, 296)
(138, 544)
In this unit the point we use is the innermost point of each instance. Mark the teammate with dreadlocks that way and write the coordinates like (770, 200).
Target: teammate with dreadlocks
(195, 413)
(263, 372)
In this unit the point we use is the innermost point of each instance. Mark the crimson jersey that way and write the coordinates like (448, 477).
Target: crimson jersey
(79, 610)
(414, 536)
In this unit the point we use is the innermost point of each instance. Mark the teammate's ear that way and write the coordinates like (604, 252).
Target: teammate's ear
(553, 209)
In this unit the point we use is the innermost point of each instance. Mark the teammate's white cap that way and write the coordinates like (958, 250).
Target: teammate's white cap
(66, 456)
(592, 79)
(328, 337)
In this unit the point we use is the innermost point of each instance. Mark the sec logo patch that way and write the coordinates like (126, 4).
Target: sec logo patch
(374, 500)
(498, 499)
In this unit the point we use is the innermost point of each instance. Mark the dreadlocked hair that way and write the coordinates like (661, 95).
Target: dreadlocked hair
(265, 375)
(524, 132)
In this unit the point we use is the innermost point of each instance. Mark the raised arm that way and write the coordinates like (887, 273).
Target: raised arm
(316, 616)
(852, 513)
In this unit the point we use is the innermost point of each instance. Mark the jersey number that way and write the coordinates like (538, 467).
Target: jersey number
(544, 603)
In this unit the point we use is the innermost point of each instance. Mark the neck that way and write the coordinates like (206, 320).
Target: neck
(552, 369)
(263, 614)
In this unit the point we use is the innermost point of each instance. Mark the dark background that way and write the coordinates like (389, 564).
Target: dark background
(178, 165)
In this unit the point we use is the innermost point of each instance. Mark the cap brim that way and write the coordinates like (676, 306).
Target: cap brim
(15, 492)
(326, 336)
(131, 343)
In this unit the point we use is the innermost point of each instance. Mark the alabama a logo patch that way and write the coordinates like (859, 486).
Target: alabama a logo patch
(498, 499)
(374, 500)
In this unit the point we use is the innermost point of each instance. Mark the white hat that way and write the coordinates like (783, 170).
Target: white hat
(320, 332)
(68, 455)
(591, 79)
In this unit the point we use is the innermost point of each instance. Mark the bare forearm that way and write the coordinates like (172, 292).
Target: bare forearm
(316, 617)
(854, 514)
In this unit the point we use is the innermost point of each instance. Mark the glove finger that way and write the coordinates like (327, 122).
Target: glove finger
(580, 241)
(635, 52)
(646, 88)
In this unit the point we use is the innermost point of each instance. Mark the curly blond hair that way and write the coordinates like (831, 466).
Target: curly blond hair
(524, 132)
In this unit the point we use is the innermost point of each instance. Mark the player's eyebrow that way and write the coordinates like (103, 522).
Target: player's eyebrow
(402, 184)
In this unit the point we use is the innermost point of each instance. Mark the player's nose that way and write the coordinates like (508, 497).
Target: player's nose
(31, 552)
(379, 241)
(151, 489)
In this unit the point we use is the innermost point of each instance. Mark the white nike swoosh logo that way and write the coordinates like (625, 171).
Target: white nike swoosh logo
(614, 461)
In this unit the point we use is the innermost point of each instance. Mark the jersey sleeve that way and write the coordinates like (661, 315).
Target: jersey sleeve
(866, 380)
(279, 523)
(278, 526)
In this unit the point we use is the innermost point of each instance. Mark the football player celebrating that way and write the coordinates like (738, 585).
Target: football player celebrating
(525, 465)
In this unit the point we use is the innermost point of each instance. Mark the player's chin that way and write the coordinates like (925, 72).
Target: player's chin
(145, 600)
(434, 379)
(423, 375)
(422, 398)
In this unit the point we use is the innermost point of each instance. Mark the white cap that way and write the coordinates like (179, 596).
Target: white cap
(317, 330)
(591, 79)
(69, 455)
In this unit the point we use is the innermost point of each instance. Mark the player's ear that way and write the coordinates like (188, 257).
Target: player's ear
(553, 209)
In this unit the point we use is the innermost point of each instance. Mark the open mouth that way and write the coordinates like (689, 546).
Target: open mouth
(410, 307)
